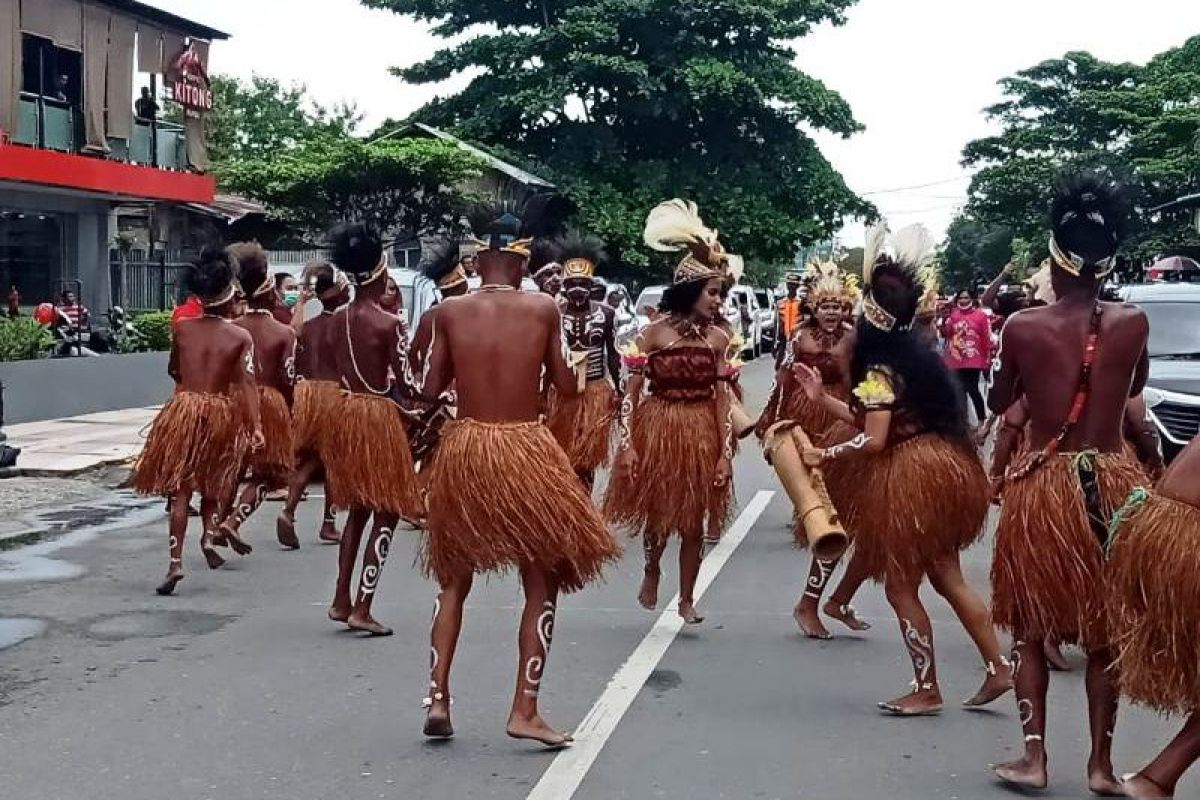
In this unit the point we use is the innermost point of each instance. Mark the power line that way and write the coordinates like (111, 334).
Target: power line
(918, 186)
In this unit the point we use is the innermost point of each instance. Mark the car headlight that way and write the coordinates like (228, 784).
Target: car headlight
(1152, 396)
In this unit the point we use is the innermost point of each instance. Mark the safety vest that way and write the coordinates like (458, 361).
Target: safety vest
(789, 316)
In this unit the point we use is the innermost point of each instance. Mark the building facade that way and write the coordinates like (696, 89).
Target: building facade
(78, 151)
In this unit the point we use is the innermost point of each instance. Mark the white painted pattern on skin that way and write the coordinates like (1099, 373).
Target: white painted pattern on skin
(565, 774)
(371, 572)
(920, 650)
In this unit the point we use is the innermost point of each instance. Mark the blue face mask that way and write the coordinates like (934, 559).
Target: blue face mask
(291, 297)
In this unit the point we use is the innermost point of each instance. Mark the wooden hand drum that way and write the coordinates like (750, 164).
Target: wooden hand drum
(806, 487)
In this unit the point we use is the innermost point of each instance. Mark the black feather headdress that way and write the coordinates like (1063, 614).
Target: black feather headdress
(581, 254)
(1088, 219)
(443, 265)
(357, 250)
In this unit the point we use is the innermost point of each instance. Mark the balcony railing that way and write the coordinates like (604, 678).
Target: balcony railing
(53, 125)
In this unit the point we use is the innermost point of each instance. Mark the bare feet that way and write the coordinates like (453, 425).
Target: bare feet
(329, 533)
(285, 532)
(994, 687)
(845, 615)
(687, 610)
(239, 545)
(1028, 772)
(923, 703)
(210, 553)
(367, 624)
(339, 613)
(648, 595)
(1141, 787)
(1054, 656)
(174, 576)
(437, 720)
(809, 620)
(1102, 782)
(536, 729)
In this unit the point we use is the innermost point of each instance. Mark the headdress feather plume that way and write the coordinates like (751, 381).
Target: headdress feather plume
(873, 247)
(676, 225)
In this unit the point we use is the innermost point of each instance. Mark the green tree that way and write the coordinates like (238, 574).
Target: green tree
(255, 119)
(974, 252)
(625, 103)
(1136, 123)
(402, 186)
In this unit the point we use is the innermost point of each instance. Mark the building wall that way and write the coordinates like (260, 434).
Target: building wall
(69, 387)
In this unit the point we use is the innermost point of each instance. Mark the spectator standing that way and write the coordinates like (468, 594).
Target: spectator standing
(967, 331)
(145, 107)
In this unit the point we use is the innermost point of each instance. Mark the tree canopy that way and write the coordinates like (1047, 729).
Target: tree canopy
(625, 103)
(1139, 124)
(306, 165)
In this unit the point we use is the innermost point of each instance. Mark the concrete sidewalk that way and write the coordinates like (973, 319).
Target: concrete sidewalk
(76, 444)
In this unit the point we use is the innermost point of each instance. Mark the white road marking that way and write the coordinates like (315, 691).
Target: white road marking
(570, 767)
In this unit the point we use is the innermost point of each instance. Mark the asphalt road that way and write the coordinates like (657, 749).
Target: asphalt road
(238, 687)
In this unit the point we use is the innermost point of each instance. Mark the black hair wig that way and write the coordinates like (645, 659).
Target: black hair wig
(1089, 216)
(210, 275)
(356, 248)
(927, 384)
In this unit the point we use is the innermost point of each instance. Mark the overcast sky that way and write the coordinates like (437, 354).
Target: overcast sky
(916, 72)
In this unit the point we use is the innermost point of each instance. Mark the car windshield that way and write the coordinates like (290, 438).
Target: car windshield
(649, 297)
(1174, 329)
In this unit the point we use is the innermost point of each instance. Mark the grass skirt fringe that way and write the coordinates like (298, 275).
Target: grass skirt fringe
(367, 459)
(678, 446)
(310, 412)
(915, 502)
(195, 440)
(274, 463)
(1154, 605)
(1048, 569)
(502, 495)
(583, 424)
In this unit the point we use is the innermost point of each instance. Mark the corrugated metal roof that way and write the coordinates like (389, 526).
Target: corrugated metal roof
(229, 207)
(516, 173)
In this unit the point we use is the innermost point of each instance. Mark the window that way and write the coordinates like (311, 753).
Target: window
(53, 73)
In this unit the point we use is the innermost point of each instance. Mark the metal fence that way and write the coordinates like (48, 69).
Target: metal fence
(144, 282)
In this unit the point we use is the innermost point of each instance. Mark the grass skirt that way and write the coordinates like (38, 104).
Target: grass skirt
(310, 413)
(502, 495)
(274, 463)
(1154, 605)
(915, 502)
(583, 424)
(196, 440)
(367, 459)
(678, 446)
(1048, 570)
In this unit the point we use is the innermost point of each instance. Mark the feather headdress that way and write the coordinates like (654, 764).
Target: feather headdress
(675, 225)
(1087, 219)
(443, 265)
(581, 254)
(826, 282)
(901, 277)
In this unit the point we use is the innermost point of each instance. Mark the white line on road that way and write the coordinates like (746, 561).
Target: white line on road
(567, 771)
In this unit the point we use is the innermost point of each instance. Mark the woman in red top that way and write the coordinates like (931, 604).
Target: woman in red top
(968, 334)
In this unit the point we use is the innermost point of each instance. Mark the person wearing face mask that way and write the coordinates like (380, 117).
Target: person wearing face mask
(968, 334)
(583, 423)
(673, 472)
(287, 295)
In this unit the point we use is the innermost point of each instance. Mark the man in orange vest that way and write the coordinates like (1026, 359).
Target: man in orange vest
(790, 315)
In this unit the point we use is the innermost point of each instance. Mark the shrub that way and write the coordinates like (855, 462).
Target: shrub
(151, 333)
(22, 339)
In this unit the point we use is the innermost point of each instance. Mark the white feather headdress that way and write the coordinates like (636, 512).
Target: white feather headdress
(674, 226)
